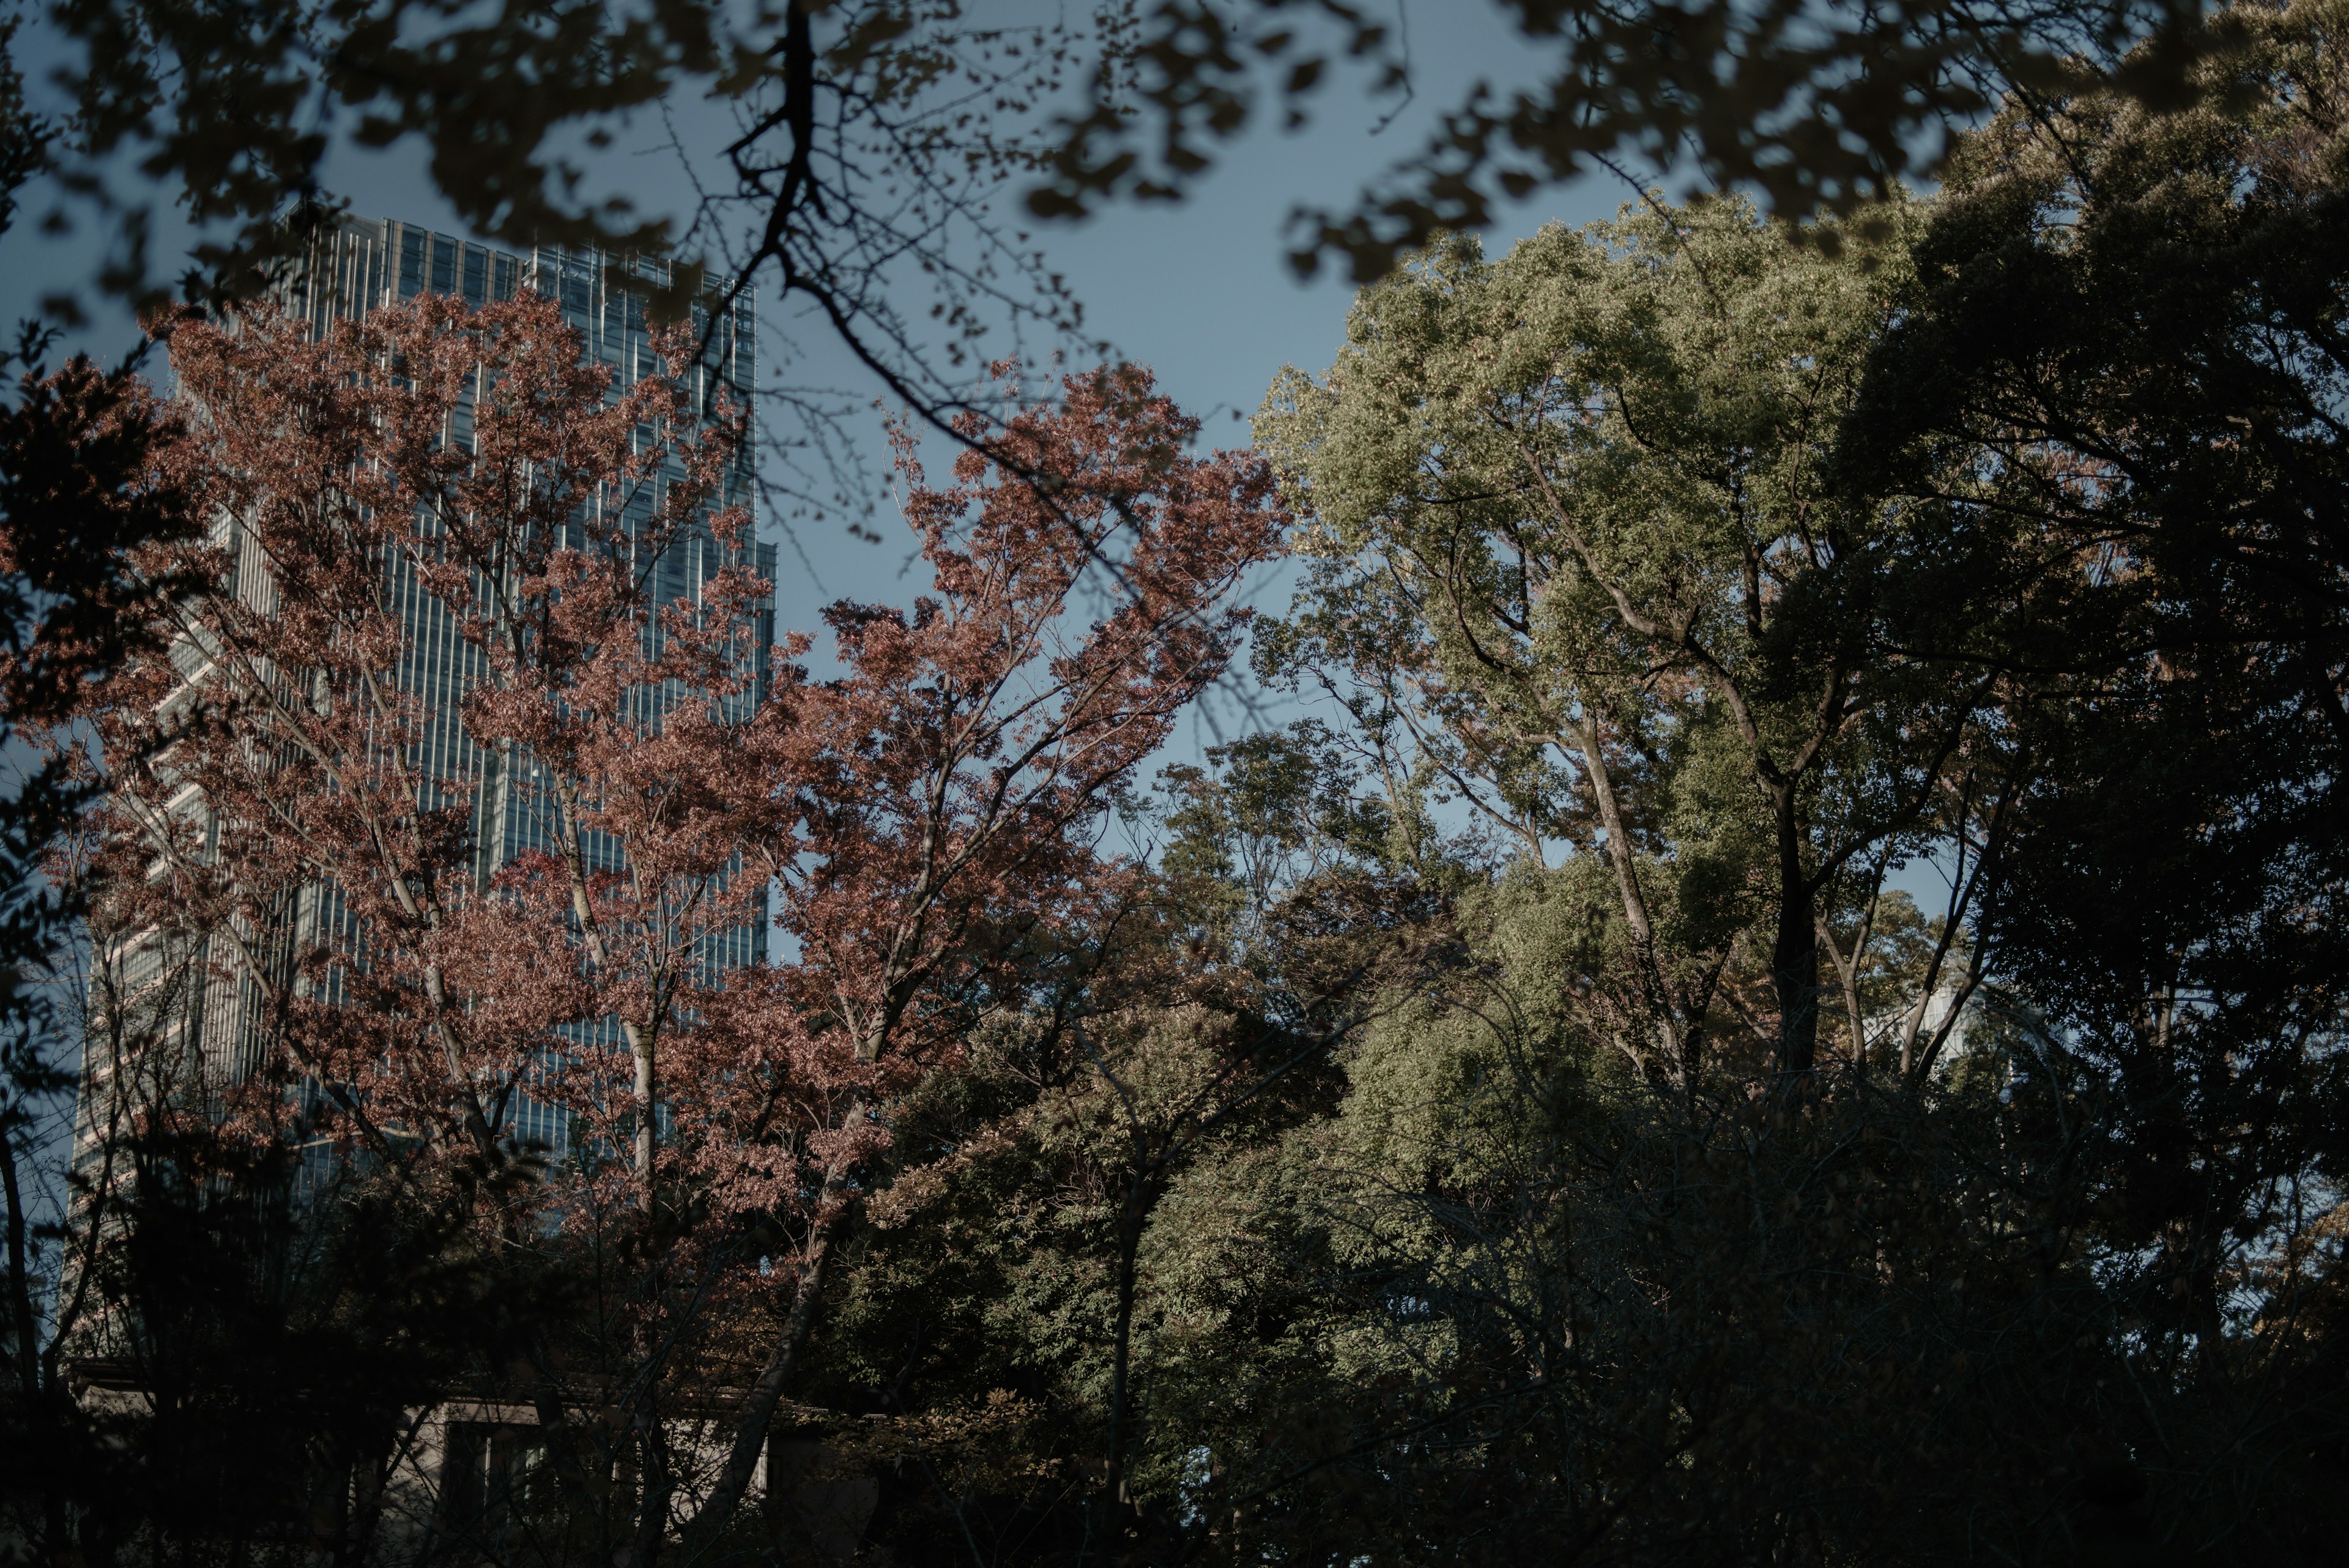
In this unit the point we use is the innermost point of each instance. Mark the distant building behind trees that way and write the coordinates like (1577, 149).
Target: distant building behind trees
(205, 994)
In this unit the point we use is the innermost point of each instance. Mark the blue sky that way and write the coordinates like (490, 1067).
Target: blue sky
(1200, 291)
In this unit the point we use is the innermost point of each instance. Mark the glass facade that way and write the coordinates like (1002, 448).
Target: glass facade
(351, 267)
(359, 265)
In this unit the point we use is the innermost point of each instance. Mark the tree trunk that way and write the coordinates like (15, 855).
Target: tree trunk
(1660, 1004)
(1847, 976)
(1129, 1245)
(644, 1089)
(717, 1513)
(1794, 958)
(652, 1490)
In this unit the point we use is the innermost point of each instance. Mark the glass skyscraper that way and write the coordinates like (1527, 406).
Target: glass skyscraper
(356, 265)
(351, 267)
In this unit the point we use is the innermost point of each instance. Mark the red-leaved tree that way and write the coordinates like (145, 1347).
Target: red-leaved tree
(441, 890)
(951, 785)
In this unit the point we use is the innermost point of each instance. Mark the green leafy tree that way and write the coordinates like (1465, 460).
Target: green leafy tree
(2138, 319)
(1583, 553)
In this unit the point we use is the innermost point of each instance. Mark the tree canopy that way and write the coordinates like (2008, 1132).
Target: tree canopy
(1782, 1001)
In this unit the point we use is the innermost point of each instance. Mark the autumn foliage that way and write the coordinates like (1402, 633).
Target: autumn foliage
(298, 817)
